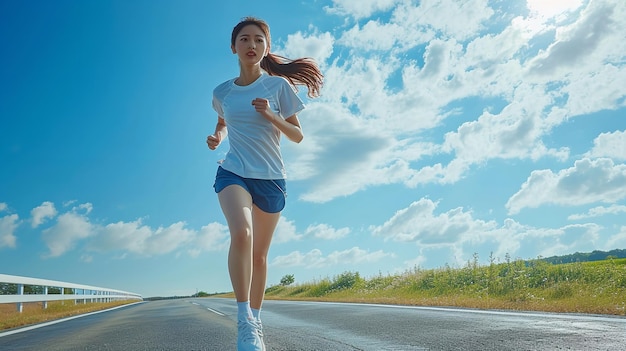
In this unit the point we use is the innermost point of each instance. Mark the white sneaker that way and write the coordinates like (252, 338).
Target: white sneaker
(248, 338)
(260, 333)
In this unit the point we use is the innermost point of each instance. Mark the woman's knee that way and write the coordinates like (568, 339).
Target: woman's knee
(241, 237)
(259, 260)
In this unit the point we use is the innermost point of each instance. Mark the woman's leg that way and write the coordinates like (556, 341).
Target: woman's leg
(264, 225)
(236, 204)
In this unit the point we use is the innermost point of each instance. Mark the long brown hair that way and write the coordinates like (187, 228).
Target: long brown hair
(301, 71)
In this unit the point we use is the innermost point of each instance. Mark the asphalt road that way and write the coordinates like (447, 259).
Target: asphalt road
(209, 324)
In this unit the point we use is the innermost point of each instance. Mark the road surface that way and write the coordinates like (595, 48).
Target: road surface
(209, 324)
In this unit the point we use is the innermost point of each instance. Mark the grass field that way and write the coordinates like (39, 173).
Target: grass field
(597, 287)
(33, 313)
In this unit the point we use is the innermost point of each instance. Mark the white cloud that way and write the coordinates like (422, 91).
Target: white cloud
(326, 232)
(42, 212)
(285, 232)
(3, 206)
(69, 229)
(212, 237)
(167, 239)
(8, 224)
(124, 236)
(576, 43)
(318, 46)
(552, 8)
(388, 101)
(74, 227)
(374, 36)
(616, 241)
(137, 238)
(418, 223)
(316, 259)
(359, 9)
(296, 258)
(599, 211)
(514, 133)
(452, 18)
(611, 145)
(454, 236)
(587, 182)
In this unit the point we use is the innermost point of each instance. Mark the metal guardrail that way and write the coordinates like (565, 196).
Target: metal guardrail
(78, 293)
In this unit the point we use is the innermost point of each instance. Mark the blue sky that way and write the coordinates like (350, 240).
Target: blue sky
(445, 128)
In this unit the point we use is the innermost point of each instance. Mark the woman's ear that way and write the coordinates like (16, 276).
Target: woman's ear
(232, 47)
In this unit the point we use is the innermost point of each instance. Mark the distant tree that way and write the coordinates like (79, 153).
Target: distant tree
(585, 257)
(287, 280)
(8, 289)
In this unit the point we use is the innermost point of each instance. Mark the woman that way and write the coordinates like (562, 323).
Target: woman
(254, 109)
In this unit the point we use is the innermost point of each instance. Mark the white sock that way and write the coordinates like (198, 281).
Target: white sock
(256, 313)
(243, 310)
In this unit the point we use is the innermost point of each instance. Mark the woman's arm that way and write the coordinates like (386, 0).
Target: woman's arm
(214, 140)
(290, 126)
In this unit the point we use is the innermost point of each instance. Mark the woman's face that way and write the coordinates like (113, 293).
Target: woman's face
(251, 45)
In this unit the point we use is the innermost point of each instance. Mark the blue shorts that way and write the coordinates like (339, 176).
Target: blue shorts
(267, 194)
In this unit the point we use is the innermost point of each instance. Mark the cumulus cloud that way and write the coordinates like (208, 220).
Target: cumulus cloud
(418, 223)
(286, 232)
(316, 259)
(360, 9)
(41, 213)
(611, 145)
(326, 232)
(599, 211)
(587, 182)
(8, 224)
(547, 10)
(456, 19)
(212, 237)
(393, 81)
(74, 230)
(318, 46)
(617, 240)
(514, 133)
(576, 42)
(69, 229)
(135, 237)
(455, 235)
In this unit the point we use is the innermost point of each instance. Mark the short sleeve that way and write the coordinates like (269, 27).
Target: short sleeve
(290, 102)
(217, 106)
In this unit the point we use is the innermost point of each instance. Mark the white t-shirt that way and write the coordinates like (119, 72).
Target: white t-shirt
(254, 141)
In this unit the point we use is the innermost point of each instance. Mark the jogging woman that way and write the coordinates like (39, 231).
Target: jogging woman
(254, 110)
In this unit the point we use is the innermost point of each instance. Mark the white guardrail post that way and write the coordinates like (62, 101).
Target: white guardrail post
(87, 293)
(20, 291)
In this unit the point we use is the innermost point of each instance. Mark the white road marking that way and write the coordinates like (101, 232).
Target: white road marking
(216, 312)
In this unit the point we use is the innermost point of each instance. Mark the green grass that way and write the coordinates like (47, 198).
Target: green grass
(597, 287)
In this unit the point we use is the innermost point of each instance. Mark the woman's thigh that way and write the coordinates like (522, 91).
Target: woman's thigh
(236, 205)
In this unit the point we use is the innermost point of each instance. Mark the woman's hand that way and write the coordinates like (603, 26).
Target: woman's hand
(262, 106)
(213, 141)
(290, 126)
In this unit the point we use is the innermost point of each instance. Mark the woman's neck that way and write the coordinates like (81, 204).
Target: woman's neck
(247, 77)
